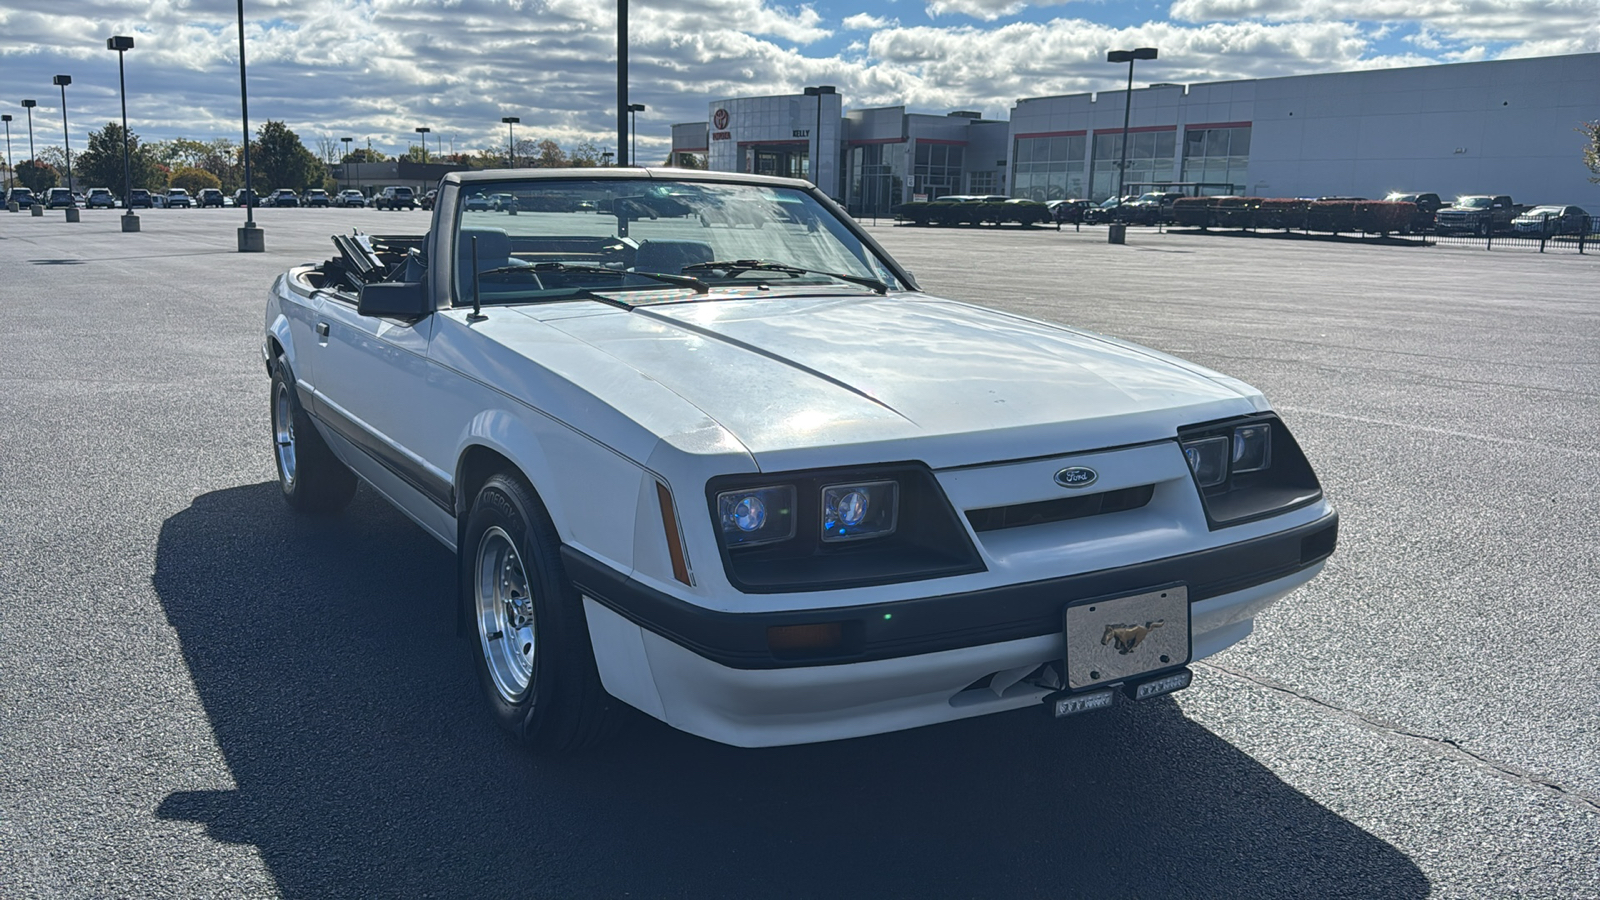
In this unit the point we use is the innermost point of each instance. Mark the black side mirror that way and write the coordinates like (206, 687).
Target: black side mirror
(394, 300)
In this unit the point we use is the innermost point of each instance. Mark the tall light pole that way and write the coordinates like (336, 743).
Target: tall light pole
(424, 132)
(11, 162)
(344, 167)
(622, 80)
(633, 129)
(29, 105)
(62, 81)
(816, 158)
(511, 138)
(251, 238)
(1127, 56)
(122, 45)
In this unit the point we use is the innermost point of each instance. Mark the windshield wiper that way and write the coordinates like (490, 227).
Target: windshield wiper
(735, 267)
(700, 287)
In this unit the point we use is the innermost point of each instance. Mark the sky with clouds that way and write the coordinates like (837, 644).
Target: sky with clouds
(377, 69)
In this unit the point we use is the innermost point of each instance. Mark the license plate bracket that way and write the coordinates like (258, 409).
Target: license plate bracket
(1112, 639)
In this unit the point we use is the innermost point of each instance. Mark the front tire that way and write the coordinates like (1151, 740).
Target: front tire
(530, 640)
(312, 479)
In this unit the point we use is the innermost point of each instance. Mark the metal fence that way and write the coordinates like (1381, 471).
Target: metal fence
(1550, 233)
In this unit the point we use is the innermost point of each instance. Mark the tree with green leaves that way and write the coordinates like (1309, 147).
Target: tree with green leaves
(1591, 148)
(279, 160)
(549, 155)
(364, 155)
(194, 179)
(101, 164)
(37, 176)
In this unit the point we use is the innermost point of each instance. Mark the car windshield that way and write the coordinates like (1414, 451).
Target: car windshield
(1401, 198)
(1545, 211)
(1473, 203)
(558, 239)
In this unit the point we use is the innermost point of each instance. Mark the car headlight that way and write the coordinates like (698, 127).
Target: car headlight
(756, 515)
(835, 528)
(854, 511)
(1247, 468)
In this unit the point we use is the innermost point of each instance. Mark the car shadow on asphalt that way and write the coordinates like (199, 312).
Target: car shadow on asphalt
(326, 656)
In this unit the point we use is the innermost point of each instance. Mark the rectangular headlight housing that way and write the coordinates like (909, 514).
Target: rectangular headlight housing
(1247, 468)
(1208, 460)
(855, 511)
(761, 515)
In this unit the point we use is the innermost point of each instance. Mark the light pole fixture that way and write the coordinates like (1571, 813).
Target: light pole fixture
(29, 105)
(130, 222)
(62, 81)
(1127, 56)
(605, 158)
(424, 132)
(818, 92)
(11, 163)
(251, 238)
(633, 129)
(511, 138)
(344, 169)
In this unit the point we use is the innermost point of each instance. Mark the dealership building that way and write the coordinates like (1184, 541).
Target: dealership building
(1504, 127)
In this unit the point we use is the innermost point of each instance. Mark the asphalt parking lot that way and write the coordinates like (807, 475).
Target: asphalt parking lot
(203, 696)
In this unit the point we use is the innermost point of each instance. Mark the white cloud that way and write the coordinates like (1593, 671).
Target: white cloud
(866, 22)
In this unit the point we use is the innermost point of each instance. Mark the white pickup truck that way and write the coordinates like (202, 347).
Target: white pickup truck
(703, 449)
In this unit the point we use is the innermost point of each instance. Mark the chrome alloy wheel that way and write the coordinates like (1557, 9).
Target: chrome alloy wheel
(283, 434)
(504, 606)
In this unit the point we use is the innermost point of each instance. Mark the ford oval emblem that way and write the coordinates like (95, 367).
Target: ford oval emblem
(1076, 477)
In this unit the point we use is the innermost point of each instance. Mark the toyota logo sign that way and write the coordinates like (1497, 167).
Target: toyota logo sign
(719, 119)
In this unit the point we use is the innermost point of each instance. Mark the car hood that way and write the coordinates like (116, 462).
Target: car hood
(786, 374)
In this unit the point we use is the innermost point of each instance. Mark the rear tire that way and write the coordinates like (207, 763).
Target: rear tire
(312, 479)
(530, 639)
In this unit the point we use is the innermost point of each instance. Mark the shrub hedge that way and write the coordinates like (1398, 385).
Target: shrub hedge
(1336, 216)
(938, 212)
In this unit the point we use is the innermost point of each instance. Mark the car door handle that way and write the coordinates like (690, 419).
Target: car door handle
(322, 330)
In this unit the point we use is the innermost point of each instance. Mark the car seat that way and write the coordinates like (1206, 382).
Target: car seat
(670, 256)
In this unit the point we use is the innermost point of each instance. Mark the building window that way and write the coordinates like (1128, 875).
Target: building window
(1151, 155)
(876, 179)
(981, 183)
(1218, 157)
(1048, 168)
(937, 169)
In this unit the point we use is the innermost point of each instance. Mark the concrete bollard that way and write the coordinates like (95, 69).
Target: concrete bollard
(130, 223)
(1117, 233)
(252, 239)
(72, 214)
(13, 207)
(38, 209)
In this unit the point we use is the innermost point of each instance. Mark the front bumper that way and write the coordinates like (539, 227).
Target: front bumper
(713, 674)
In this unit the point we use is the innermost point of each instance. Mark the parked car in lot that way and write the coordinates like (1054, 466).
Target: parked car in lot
(350, 197)
(750, 480)
(1480, 214)
(1552, 220)
(1428, 206)
(475, 202)
(99, 198)
(427, 199)
(139, 198)
(244, 196)
(1068, 211)
(60, 198)
(210, 197)
(396, 197)
(314, 197)
(283, 197)
(178, 198)
(21, 196)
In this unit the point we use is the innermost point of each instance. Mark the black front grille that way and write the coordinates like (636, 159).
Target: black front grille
(997, 517)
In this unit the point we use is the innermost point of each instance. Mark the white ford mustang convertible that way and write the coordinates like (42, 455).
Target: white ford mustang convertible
(702, 448)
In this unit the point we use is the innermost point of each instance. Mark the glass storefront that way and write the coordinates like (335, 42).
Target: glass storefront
(1150, 158)
(876, 178)
(1217, 155)
(938, 169)
(1049, 168)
